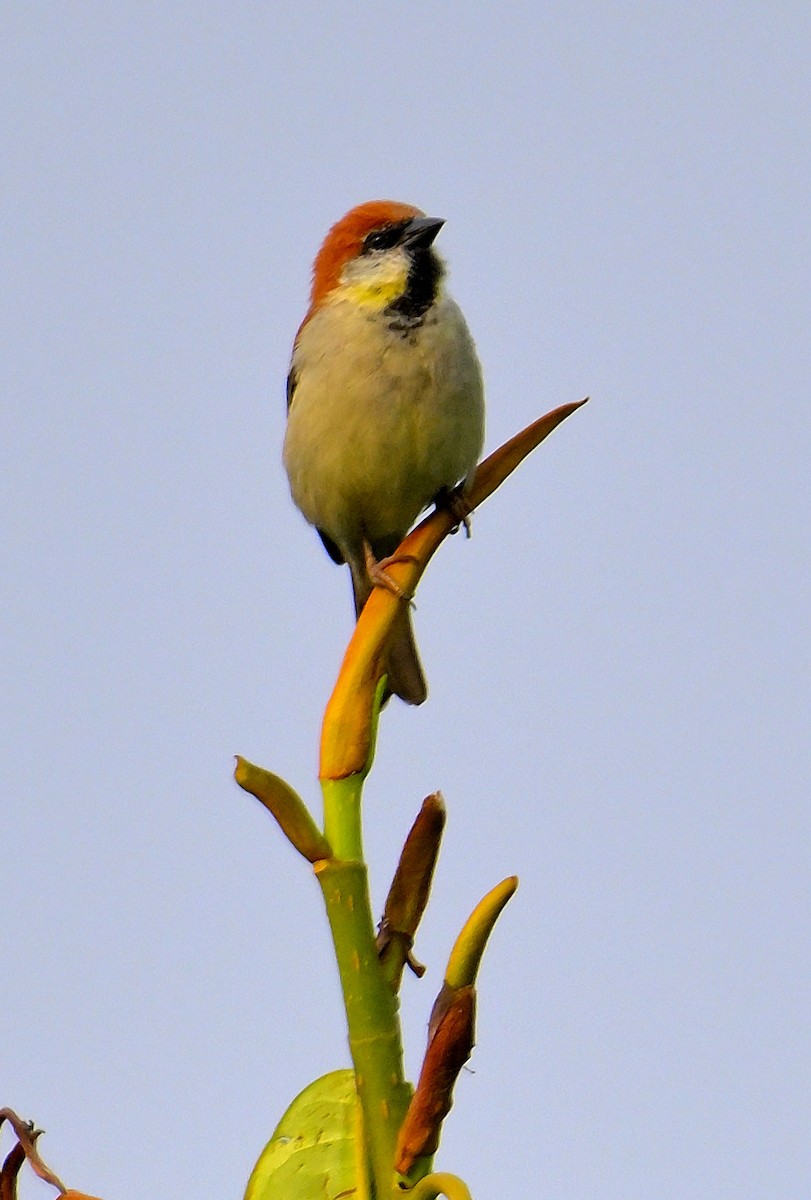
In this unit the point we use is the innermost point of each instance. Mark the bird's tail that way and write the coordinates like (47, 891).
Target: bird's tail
(403, 666)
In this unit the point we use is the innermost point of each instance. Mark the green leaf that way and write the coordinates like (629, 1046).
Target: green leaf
(316, 1152)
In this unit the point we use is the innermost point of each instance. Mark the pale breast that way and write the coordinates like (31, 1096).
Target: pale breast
(381, 420)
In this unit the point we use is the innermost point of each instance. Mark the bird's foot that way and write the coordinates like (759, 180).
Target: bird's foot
(378, 574)
(456, 502)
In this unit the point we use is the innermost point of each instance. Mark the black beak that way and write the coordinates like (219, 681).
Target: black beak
(421, 231)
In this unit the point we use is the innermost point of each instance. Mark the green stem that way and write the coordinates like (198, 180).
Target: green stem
(342, 822)
(375, 1039)
(440, 1184)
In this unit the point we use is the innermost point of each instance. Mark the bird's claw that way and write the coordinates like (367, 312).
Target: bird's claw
(455, 501)
(379, 576)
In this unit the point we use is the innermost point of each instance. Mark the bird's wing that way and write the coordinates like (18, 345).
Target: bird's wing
(292, 380)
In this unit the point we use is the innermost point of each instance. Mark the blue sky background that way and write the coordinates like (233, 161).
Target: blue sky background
(618, 660)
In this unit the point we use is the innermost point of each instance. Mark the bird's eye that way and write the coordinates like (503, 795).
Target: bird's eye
(383, 239)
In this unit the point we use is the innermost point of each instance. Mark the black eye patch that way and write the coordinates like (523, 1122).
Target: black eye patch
(385, 238)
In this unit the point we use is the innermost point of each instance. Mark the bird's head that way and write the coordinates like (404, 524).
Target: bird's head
(380, 256)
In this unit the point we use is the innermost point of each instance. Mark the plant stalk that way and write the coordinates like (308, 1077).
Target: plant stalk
(375, 1039)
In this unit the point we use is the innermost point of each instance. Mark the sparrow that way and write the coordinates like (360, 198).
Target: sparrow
(385, 402)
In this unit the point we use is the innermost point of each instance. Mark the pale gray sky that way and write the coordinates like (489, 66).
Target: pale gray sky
(618, 659)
